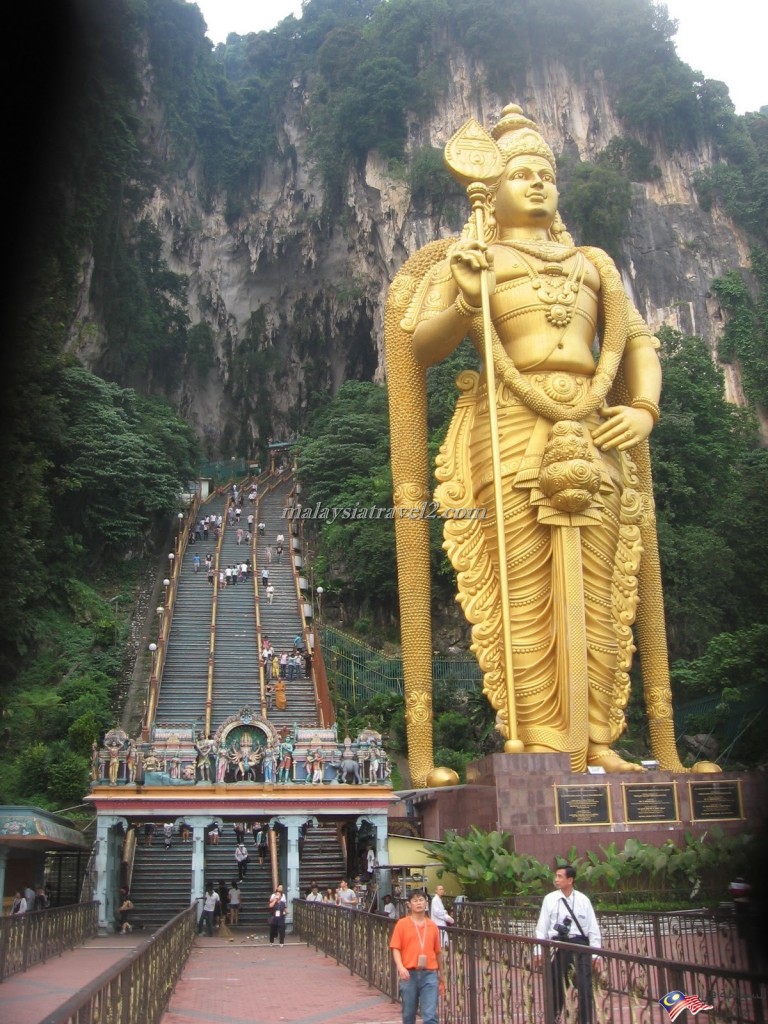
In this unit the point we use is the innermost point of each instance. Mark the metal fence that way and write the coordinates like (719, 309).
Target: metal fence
(33, 938)
(688, 936)
(494, 978)
(358, 672)
(138, 988)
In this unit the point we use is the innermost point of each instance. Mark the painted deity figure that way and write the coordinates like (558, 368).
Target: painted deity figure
(130, 761)
(222, 763)
(551, 468)
(206, 748)
(285, 763)
(114, 763)
(315, 767)
(375, 762)
(95, 762)
(268, 763)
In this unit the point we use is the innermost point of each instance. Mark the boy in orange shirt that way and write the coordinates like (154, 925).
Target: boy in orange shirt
(418, 957)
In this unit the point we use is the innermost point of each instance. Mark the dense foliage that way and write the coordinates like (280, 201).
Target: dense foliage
(366, 64)
(745, 338)
(90, 470)
(110, 470)
(343, 460)
(699, 868)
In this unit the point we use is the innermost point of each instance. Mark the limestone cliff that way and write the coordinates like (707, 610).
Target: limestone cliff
(303, 298)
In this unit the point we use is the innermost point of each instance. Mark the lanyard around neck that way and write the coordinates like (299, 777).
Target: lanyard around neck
(421, 933)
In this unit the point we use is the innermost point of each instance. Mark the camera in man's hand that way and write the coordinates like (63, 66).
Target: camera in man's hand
(563, 929)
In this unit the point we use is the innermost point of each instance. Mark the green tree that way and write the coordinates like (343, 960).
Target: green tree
(121, 460)
(596, 202)
(344, 466)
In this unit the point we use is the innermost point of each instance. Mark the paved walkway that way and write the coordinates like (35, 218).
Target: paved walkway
(242, 981)
(247, 981)
(29, 997)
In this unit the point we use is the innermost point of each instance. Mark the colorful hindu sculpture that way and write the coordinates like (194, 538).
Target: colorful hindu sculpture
(544, 476)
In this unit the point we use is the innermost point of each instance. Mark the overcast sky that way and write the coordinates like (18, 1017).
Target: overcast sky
(726, 41)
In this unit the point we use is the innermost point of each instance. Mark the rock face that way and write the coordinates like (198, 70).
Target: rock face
(307, 296)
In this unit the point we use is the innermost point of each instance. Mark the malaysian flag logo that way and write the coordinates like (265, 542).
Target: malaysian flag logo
(675, 1002)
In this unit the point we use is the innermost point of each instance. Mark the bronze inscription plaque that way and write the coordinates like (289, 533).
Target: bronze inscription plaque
(649, 802)
(713, 801)
(582, 805)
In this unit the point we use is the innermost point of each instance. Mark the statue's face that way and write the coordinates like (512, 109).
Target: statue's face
(527, 194)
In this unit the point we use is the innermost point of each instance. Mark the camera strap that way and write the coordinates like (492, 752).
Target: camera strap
(573, 917)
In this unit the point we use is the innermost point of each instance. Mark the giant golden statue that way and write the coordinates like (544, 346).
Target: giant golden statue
(549, 443)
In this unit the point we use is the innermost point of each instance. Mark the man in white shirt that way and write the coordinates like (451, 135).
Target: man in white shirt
(210, 900)
(567, 916)
(19, 904)
(346, 897)
(439, 914)
(314, 895)
(241, 857)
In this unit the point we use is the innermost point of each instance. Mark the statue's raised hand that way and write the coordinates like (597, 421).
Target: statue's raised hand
(468, 260)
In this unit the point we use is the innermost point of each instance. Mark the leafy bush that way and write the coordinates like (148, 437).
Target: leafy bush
(486, 869)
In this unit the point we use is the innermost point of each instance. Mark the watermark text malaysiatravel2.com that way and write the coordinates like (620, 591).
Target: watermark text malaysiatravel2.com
(357, 512)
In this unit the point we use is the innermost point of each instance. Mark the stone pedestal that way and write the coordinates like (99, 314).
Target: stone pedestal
(548, 809)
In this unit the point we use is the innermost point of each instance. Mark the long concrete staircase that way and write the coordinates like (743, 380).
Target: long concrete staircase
(236, 652)
(185, 676)
(161, 878)
(160, 885)
(322, 859)
(281, 620)
(256, 887)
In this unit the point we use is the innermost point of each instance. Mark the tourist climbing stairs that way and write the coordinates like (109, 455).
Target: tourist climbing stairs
(236, 651)
(281, 621)
(256, 887)
(184, 684)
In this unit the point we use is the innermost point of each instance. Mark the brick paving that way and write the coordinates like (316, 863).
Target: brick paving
(243, 981)
(247, 981)
(29, 997)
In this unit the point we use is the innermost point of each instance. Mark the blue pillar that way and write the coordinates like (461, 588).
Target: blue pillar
(107, 868)
(198, 859)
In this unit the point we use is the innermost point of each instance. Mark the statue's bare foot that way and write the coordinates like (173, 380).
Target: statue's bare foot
(610, 760)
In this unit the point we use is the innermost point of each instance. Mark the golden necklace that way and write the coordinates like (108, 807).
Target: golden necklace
(552, 252)
(616, 318)
(558, 296)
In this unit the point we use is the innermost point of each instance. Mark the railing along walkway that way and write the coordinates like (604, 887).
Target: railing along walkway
(136, 989)
(33, 938)
(698, 936)
(497, 978)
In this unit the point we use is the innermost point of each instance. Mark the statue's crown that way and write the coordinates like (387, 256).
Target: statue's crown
(517, 135)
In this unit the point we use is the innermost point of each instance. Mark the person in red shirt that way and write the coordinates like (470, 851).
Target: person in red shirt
(418, 957)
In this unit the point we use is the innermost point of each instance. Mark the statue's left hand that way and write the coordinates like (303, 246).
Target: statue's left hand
(624, 427)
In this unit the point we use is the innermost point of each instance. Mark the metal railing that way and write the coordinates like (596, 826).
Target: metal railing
(690, 936)
(36, 937)
(498, 978)
(356, 939)
(359, 672)
(137, 989)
